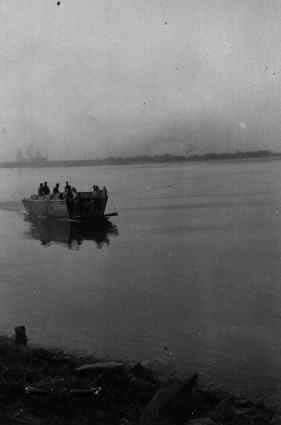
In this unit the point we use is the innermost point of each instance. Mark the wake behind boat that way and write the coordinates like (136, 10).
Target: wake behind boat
(70, 204)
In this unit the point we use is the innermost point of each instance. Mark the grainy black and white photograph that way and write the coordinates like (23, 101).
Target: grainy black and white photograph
(140, 212)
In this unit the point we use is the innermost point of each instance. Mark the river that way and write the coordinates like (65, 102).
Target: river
(189, 275)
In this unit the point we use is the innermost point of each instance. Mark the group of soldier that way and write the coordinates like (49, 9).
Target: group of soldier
(69, 191)
(44, 191)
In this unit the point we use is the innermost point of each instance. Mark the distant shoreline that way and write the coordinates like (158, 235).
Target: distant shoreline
(147, 159)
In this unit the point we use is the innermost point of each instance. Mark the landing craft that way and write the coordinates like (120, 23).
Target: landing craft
(86, 206)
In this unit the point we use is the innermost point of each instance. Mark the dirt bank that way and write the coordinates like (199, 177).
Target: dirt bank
(39, 386)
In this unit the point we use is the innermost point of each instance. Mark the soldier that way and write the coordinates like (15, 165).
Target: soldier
(41, 191)
(46, 189)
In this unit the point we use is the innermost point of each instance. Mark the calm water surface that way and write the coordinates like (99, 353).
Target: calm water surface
(188, 276)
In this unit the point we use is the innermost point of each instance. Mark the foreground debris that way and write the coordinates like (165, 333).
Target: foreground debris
(42, 387)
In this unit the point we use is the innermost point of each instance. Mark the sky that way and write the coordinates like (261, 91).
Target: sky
(89, 78)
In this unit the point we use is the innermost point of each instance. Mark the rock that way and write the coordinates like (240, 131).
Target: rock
(276, 420)
(223, 411)
(142, 372)
(100, 414)
(32, 390)
(243, 411)
(125, 421)
(243, 402)
(25, 420)
(11, 390)
(143, 385)
(9, 420)
(188, 384)
(99, 366)
(201, 421)
(141, 389)
(162, 398)
(86, 392)
(61, 392)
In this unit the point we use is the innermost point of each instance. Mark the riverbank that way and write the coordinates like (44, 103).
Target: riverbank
(255, 155)
(44, 387)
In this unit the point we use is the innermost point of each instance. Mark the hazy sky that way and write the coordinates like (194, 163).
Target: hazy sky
(97, 78)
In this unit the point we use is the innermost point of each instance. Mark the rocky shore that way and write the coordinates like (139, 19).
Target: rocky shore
(42, 387)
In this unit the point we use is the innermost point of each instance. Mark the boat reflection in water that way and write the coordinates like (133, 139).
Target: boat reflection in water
(70, 234)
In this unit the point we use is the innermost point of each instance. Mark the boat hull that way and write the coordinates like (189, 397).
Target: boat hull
(46, 207)
(85, 206)
(60, 209)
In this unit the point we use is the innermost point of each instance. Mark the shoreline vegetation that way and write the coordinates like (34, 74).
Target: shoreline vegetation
(48, 387)
(146, 159)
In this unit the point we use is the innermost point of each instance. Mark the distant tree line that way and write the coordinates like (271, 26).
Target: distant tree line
(233, 155)
(142, 159)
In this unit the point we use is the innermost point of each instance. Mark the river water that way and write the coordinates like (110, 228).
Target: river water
(189, 275)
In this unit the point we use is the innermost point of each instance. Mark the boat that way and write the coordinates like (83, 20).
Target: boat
(86, 206)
